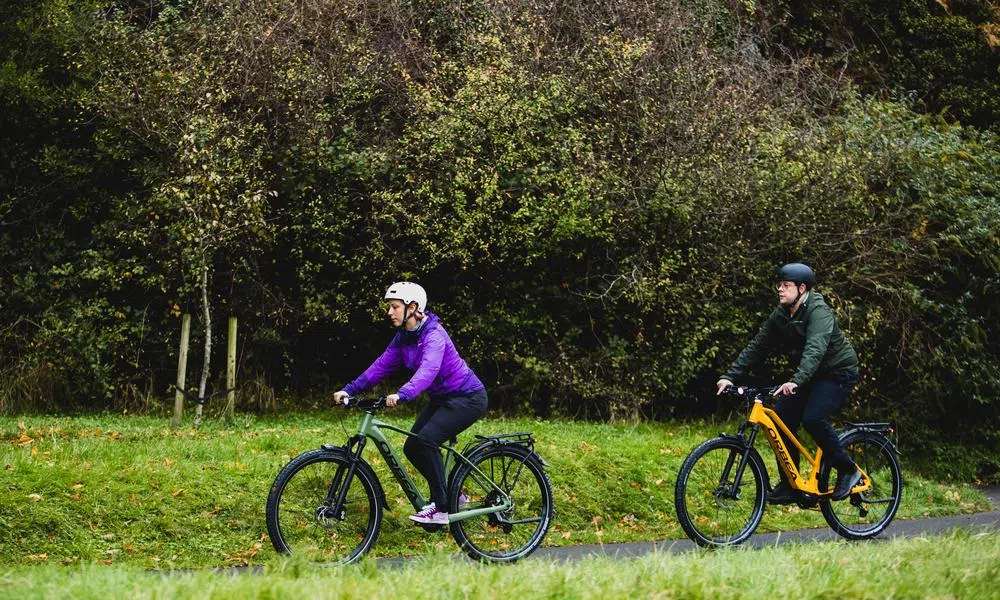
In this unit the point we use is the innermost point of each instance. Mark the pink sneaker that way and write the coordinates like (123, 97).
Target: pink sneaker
(463, 498)
(430, 515)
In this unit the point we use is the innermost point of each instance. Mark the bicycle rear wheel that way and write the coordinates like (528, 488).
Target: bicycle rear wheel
(866, 514)
(512, 534)
(300, 516)
(709, 509)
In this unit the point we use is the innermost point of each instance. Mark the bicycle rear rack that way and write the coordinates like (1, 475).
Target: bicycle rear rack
(522, 438)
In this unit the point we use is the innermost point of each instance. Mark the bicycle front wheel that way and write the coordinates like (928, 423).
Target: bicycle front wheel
(866, 514)
(712, 507)
(511, 534)
(300, 508)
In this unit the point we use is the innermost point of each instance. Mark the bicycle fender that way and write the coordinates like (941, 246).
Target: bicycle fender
(863, 430)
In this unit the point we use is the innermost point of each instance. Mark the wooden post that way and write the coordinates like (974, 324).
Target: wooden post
(231, 371)
(181, 371)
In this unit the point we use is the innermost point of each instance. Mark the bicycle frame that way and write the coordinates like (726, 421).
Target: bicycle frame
(371, 428)
(766, 418)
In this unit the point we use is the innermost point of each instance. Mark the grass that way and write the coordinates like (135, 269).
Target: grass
(128, 490)
(958, 565)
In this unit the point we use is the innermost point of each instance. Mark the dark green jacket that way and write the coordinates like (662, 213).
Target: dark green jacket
(811, 338)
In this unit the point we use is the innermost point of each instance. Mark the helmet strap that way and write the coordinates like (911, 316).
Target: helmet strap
(799, 296)
(406, 316)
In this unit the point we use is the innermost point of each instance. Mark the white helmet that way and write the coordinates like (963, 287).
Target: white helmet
(407, 292)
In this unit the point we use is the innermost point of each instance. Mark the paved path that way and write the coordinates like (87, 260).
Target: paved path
(988, 521)
(898, 528)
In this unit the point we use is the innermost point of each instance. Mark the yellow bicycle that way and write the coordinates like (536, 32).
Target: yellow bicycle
(722, 486)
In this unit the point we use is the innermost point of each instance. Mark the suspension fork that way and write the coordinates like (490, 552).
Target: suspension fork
(355, 446)
(747, 445)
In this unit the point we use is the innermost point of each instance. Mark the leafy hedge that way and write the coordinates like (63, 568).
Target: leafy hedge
(596, 197)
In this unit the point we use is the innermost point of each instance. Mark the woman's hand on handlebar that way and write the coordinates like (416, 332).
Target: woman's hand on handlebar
(338, 397)
(391, 400)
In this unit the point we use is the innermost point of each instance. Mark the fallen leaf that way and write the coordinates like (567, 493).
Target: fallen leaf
(566, 534)
(35, 497)
(177, 492)
(77, 486)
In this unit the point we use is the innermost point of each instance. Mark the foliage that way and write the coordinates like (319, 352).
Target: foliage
(946, 53)
(596, 196)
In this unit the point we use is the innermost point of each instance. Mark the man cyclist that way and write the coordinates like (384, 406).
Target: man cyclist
(803, 326)
(457, 397)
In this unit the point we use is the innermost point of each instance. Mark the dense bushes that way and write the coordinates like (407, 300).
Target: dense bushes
(595, 195)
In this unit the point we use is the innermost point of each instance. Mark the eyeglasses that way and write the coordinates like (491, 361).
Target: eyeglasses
(786, 284)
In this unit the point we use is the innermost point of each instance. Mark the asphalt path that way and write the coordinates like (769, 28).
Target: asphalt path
(984, 521)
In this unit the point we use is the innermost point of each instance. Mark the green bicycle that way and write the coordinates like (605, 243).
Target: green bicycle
(327, 504)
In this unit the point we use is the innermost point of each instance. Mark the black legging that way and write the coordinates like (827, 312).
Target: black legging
(442, 419)
(812, 408)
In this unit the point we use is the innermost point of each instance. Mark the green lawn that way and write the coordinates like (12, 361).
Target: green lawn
(959, 565)
(130, 491)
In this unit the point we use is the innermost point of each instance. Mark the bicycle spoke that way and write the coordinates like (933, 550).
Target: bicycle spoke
(508, 478)
(302, 518)
(711, 506)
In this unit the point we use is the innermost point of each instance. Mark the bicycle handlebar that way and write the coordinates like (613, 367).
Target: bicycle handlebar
(371, 403)
(750, 392)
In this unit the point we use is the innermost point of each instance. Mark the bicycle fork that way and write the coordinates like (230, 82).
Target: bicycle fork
(337, 493)
(734, 486)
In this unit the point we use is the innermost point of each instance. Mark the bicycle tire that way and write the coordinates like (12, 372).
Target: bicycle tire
(298, 497)
(507, 536)
(866, 514)
(703, 509)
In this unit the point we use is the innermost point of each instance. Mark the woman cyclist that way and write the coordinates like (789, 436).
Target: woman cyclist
(457, 397)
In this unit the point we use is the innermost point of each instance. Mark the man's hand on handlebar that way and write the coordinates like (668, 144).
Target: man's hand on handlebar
(786, 389)
(723, 385)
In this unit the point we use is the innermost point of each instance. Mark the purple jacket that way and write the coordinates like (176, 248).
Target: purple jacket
(430, 354)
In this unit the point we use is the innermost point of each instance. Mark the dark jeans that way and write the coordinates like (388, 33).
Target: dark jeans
(812, 408)
(442, 419)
